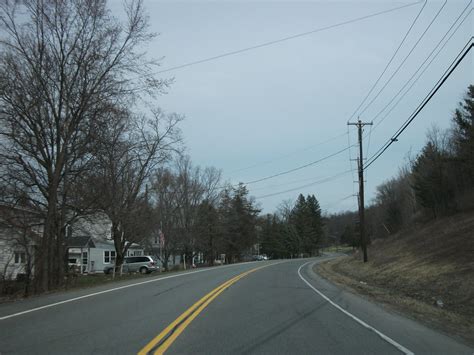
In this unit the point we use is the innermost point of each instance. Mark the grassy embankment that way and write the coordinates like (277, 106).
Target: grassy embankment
(426, 273)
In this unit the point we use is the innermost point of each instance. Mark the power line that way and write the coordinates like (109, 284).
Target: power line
(405, 59)
(330, 178)
(430, 95)
(370, 135)
(265, 44)
(289, 154)
(228, 185)
(298, 168)
(338, 201)
(285, 184)
(418, 69)
(421, 66)
(338, 136)
(350, 158)
(390, 61)
(467, 47)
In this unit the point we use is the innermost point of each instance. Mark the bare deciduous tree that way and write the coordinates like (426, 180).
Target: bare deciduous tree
(129, 151)
(178, 196)
(63, 64)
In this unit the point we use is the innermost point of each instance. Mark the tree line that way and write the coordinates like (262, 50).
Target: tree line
(295, 230)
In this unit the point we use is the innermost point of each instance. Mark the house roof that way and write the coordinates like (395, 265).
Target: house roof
(80, 242)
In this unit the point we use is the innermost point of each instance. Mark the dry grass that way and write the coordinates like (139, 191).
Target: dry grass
(414, 269)
(337, 249)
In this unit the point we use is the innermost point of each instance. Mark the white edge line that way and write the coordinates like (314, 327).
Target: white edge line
(361, 322)
(114, 289)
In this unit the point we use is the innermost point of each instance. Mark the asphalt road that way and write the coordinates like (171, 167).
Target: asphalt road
(270, 310)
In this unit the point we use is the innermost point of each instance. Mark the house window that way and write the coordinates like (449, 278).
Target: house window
(20, 257)
(109, 256)
(137, 253)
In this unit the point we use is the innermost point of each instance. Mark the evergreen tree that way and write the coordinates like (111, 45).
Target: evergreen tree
(432, 186)
(315, 224)
(306, 219)
(207, 219)
(238, 220)
(464, 138)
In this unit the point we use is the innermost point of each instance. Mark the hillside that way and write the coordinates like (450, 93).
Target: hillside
(426, 272)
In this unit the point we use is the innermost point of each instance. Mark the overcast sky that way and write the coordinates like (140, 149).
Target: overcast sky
(264, 111)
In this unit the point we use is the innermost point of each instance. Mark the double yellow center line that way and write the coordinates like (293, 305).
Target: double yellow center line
(163, 341)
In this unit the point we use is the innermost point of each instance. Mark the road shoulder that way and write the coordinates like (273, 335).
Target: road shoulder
(451, 324)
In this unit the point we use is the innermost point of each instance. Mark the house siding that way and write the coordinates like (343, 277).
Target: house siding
(9, 270)
(95, 259)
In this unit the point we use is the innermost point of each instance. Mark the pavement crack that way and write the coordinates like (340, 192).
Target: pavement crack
(168, 290)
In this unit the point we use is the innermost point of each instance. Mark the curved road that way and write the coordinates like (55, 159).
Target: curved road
(277, 307)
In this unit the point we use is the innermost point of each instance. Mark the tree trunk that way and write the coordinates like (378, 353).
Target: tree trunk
(45, 255)
(118, 243)
(165, 262)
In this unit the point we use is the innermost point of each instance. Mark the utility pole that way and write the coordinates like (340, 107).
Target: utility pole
(363, 237)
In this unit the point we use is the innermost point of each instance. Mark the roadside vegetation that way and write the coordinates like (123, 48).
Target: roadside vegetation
(14, 289)
(437, 182)
(421, 225)
(425, 272)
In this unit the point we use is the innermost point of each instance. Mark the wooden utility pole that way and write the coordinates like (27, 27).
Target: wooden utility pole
(363, 237)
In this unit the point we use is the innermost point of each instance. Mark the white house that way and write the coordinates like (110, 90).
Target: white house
(89, 244)
(20, 230)
(91, 255)
(14, 258)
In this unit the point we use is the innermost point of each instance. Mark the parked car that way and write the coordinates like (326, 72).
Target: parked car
(141, 264)
(74, 265)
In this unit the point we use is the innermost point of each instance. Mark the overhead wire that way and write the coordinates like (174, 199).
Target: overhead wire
(289, 154)
(441, 82)
(284, 39)
(300, 35)
(375, 117)
(329, 205)
(390, 60)
(412, 25)
(368, 143)
(279, 41)
(335, 137)
(330, 178)
(284, 184)
(297, 168)
(405, 59)
(350, 158)
(229, 185)
(459, 58)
